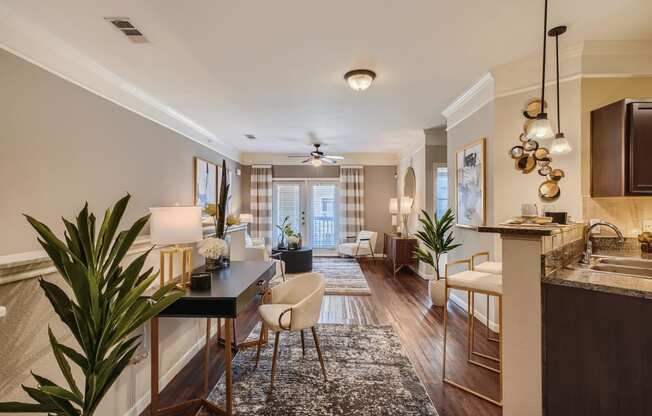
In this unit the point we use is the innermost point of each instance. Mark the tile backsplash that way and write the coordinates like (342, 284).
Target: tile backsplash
(628, 213)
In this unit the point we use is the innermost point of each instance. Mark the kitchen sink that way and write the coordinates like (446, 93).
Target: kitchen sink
(624, 261)
(621, 265)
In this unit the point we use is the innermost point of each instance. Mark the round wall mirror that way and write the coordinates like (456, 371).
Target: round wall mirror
(410, 183)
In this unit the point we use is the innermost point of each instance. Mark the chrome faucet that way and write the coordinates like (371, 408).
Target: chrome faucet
(588, 251)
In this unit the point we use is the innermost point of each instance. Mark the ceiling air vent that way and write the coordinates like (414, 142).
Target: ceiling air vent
(250, 136)
(127, 28)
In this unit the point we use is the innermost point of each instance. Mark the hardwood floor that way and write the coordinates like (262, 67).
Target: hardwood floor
(402, 302)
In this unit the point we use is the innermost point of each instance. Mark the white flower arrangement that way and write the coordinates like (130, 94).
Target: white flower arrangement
(212, 247)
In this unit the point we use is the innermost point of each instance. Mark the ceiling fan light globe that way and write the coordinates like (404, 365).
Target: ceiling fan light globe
(316, 162)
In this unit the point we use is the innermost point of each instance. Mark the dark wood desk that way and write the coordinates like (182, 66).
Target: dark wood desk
(232, 290)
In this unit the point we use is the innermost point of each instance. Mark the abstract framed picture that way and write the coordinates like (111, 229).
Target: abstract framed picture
(205, 187)
(470, 184)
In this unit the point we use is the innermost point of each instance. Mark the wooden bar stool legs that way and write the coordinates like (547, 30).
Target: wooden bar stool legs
(473, 282)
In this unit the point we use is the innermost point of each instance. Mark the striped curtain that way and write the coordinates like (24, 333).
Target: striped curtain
(351, 202)
(261, 202)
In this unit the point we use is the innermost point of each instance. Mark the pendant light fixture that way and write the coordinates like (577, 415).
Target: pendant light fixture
(541, 129)
(560, 144)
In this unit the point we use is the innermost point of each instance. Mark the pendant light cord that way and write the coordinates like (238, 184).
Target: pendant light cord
(543, 76)
(558, 117)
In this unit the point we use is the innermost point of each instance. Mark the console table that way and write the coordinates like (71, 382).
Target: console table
(232, 289)
(398, 251)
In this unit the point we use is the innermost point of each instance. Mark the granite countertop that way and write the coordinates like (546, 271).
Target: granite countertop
(520, 229)
(618, 284)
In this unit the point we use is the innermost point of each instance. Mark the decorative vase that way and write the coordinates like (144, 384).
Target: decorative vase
(219, 263)
(437, 289)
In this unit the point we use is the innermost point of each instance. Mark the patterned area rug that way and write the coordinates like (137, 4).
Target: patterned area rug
(343, 276)
(368, 374)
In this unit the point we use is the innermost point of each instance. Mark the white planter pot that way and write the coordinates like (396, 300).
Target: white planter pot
(437, 289)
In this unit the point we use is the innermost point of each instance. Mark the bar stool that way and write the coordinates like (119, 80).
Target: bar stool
(473, 282)
(493, 267)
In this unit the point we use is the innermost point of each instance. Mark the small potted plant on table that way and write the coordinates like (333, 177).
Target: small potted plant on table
(437, 239)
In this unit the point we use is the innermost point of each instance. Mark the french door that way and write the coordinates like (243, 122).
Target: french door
(311, 208)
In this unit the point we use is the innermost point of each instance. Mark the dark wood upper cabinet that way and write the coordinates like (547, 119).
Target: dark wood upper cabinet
(621, 149)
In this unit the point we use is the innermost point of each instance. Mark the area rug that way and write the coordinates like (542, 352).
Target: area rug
(343, 276)
(368, 374)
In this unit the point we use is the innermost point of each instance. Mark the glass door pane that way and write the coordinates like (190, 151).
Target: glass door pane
(322, 222)
(288, 202)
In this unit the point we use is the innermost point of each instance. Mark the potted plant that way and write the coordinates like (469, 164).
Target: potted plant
(285, 230)
(101, 303)
(437, 239)
(210, 246)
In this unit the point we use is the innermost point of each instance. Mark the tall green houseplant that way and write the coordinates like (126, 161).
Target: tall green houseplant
(105, 308)
(218, 211)
(437, 239)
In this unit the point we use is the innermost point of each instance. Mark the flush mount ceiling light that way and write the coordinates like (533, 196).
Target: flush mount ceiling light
(360, 79)
(541, 129)
(560, 144)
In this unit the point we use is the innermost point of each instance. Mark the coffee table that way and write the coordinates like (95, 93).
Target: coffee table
(296, 261)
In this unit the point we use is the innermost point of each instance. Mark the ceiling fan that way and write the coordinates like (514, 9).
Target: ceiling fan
(317, 157)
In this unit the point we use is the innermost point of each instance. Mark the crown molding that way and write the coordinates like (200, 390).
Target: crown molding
(26, 40)
(479, 88)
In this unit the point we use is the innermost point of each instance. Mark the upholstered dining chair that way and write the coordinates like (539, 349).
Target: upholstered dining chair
(364, 245)
(294, 306)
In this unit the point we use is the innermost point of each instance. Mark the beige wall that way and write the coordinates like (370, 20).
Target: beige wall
(306, 171)
(379, 187)
(60, 146)
(626, 213)
(480, 124)
(513, 188)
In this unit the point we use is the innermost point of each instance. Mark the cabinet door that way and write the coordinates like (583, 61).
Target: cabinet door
(640, 148)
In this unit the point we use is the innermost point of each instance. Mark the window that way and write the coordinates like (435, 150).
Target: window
(441, 190)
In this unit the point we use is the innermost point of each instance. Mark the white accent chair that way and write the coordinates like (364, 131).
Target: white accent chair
(295, 305)
(364, 245)
(258, 252)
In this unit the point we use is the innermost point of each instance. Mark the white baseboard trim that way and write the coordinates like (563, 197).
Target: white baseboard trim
(143, 402)
(479, 315)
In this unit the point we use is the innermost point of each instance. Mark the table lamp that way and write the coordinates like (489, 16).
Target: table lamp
(393, 209)
(406, 209)
(176, 227)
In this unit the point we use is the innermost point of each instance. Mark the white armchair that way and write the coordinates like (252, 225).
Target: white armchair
(364, 245)
(295, 305)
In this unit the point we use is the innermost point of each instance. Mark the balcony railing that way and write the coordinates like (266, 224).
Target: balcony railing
(324, 233)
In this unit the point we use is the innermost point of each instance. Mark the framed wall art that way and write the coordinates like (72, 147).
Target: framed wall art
(470, 184)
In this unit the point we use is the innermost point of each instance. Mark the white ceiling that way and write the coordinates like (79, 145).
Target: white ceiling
(217, 69)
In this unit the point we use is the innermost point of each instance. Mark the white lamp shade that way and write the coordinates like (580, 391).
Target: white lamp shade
(393, 206)
(175, 225)
(560, 145)
(246, 218)
(540, 129)
(406, 205)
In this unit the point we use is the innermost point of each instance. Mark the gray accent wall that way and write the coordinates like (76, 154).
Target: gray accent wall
(62, 146)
